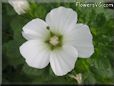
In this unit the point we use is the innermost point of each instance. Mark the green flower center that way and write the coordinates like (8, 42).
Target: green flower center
(54, 41)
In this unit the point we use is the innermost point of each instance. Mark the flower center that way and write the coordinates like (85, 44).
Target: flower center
(54, 40)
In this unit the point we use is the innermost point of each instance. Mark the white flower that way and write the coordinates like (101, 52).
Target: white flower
(58, 41)
(20, 6)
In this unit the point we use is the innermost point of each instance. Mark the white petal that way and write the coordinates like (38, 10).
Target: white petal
(36, 53)
(80, 37)
(60, 18)
(27, 36)
(35, 29)
(63, 61)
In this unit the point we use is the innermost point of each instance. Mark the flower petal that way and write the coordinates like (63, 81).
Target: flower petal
(80, 37)
(63, 60)
(60, 18)
(36, 53)
(35, 29)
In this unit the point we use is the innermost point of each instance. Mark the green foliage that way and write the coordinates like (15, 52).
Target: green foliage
(97, 69)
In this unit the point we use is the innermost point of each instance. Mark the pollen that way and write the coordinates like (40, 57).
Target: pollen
(54, 40)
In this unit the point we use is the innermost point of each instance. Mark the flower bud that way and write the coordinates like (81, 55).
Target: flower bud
(20, 6)
(77, 77)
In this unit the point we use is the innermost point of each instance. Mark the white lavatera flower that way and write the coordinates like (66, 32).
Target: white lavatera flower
(20, 6)
(58, 41)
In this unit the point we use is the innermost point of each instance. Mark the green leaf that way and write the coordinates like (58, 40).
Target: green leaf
(12, 52)
(35, 73)
(32, 71)
(103, 71)
(88, 78)
(17, 25)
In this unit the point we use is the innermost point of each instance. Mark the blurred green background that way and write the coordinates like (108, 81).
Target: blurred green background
(99, 69)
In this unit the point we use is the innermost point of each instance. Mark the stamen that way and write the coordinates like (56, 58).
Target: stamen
(54, 40)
